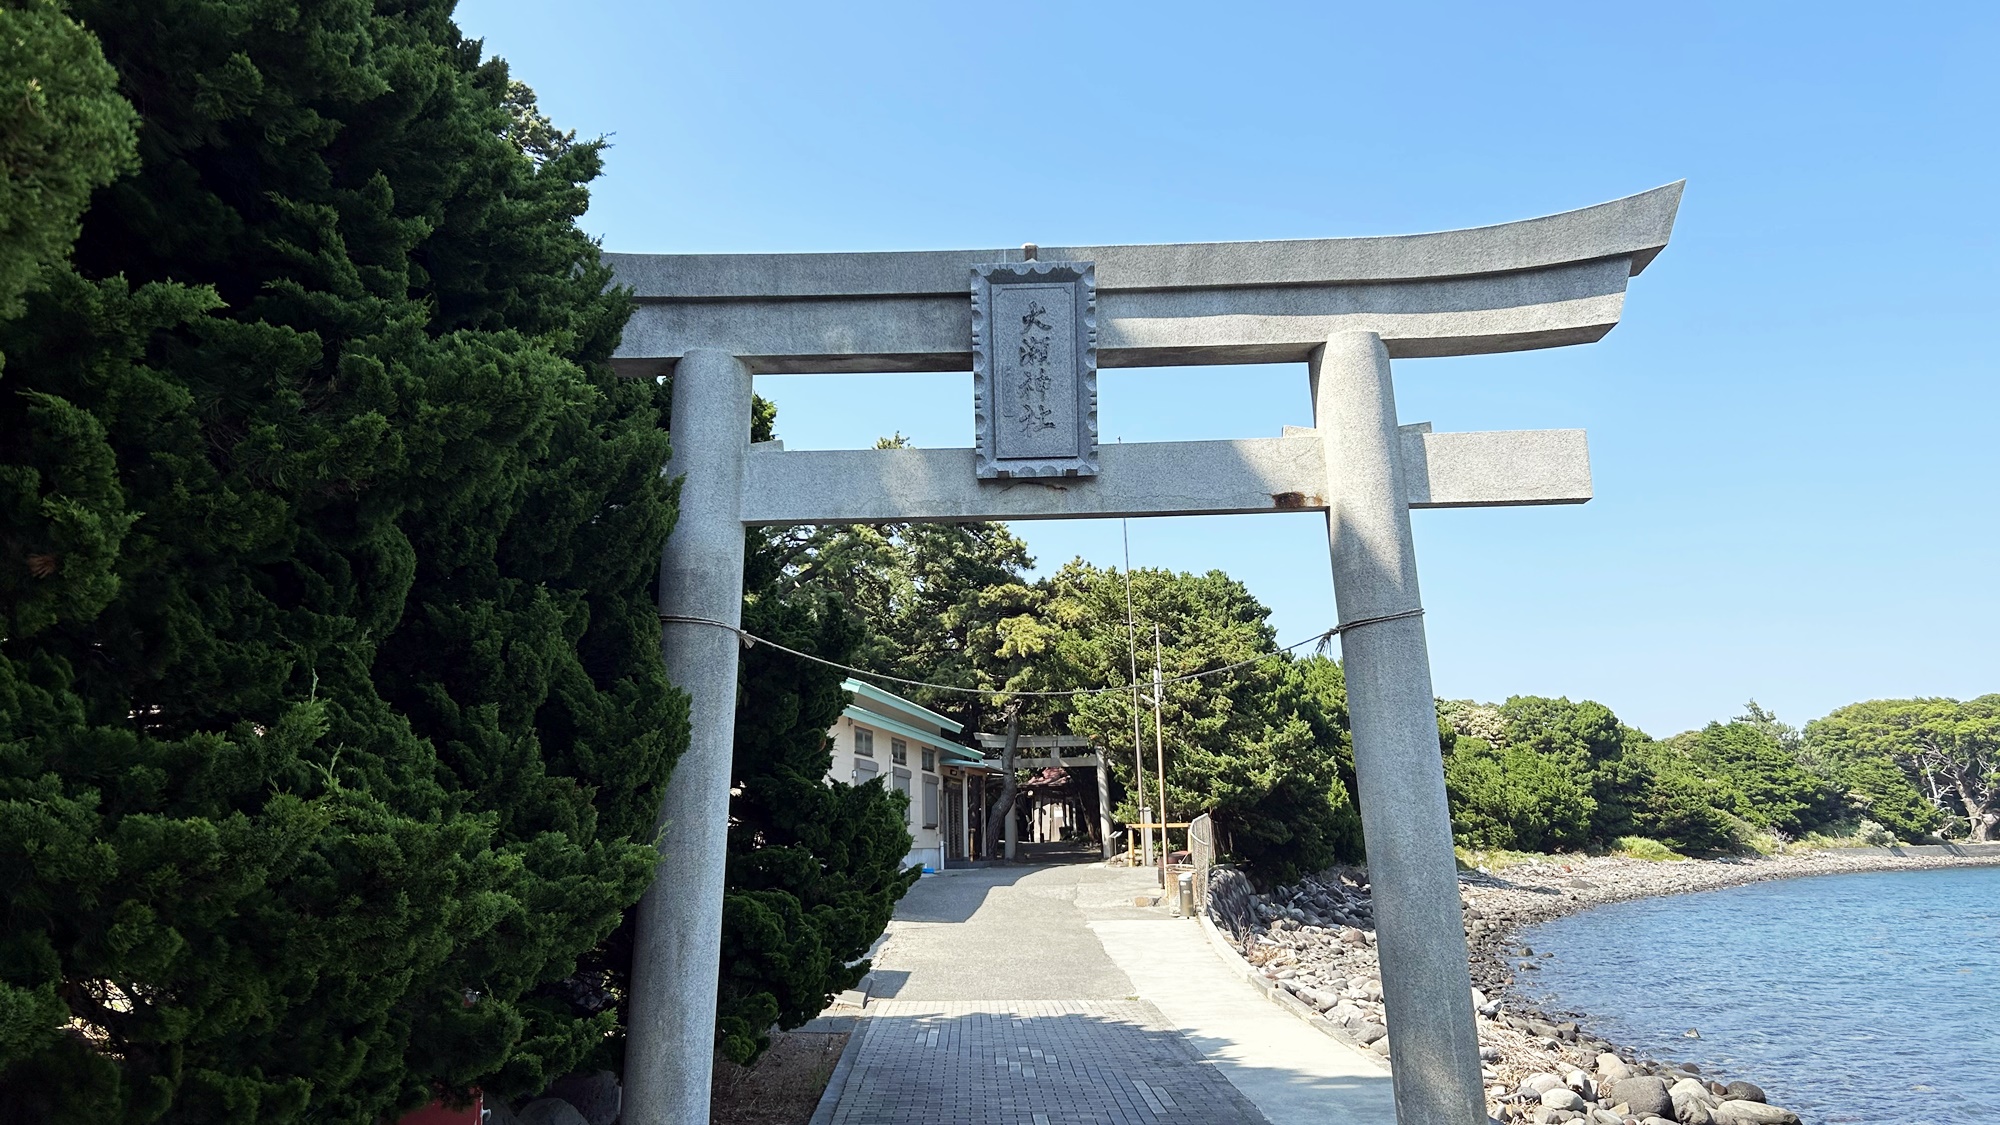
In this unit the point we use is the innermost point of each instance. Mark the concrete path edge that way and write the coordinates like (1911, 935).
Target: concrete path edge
(1303, 1011)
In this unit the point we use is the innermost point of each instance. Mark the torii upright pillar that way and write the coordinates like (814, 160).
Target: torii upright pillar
(1426, 985)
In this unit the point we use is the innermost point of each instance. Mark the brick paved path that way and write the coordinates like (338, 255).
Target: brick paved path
(1031, 1062)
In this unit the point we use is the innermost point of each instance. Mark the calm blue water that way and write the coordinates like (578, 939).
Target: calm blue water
(1849, 998)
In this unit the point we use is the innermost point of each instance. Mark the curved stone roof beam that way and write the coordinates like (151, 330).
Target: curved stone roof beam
(1537, 283)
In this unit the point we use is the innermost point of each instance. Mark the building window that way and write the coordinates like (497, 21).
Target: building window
(930, 760)
(899, 752)
(864, 742)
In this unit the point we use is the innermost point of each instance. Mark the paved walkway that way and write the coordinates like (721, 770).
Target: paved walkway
(1042, 996)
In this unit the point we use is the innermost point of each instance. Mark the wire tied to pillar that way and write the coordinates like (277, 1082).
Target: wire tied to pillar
(1322, 643)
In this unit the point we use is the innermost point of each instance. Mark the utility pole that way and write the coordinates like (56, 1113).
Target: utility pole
(1132, 655)
(1159, 756)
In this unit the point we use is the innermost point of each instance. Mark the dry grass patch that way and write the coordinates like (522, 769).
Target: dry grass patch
(783, 1087)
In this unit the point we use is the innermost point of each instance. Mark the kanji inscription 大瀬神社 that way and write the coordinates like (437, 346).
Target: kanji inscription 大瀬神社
(1034, 368)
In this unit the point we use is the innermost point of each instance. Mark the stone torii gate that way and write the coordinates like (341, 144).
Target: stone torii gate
(1034, 327)
(1059, 751)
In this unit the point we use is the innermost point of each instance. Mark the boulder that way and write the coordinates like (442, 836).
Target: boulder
(1581, 1083)
(1535, 1085)
(1371, 1032)
(595, 1096)
(1562, 1097)
(1611, 1068)
(1647, 1096)
(1743, 1092)
(1741, 1112)
(1316, 997)
(550, 1111)
(1690, 1088)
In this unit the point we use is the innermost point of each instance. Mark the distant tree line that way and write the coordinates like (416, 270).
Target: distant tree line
(1542, 774)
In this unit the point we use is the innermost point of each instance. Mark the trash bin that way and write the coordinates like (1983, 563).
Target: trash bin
(1186, 880)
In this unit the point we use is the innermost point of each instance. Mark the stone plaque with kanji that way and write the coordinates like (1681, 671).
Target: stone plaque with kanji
(1034, 369)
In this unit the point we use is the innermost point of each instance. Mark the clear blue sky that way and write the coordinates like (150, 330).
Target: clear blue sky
(1791, 432)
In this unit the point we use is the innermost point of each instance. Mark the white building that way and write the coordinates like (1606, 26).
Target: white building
(910, 749)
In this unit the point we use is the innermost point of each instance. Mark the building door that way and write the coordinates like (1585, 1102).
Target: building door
(954, 818)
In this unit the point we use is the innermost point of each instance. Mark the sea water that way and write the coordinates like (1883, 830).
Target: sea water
(1850, 999)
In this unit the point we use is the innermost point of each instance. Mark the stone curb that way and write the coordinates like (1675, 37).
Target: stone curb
(1282, 997)
(836, 1084)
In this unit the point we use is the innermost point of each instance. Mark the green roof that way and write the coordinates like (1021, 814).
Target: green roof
(876, 720)
(890, 698)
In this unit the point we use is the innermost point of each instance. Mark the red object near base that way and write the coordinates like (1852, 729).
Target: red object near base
(437, 1114)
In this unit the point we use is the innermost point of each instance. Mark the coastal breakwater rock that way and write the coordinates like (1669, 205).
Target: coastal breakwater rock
(1315, 939)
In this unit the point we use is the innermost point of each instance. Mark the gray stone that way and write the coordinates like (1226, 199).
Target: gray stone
(1646, 1095)
(595, 1096)
(1318, 998)
(550, 1111)
(1535, 1085)
(1611, 1068)
(1692, 1087)
(1744, 1091)
(1034, 369)
(1692, 1101)
(1562, 1097)
(1543, 282)
(1369, 1033)
(1740, 1112)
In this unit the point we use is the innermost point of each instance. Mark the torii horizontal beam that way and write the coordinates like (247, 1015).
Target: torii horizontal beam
(1537, 283)
(1288, 473)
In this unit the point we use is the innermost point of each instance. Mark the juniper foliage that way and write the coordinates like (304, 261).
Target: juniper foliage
(331, 716)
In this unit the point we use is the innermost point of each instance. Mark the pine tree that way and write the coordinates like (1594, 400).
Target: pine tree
(1259, 748)
(331, 716)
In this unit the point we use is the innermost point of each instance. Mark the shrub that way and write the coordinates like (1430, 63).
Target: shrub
(1642, 847)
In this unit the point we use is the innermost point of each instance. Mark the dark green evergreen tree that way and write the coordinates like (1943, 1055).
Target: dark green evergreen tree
(331, 717)
(1257, 748)
(64, 132)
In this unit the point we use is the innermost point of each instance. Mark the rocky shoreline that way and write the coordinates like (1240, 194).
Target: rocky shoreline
(1316, 940)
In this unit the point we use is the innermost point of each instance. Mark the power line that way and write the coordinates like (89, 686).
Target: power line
(1322, 640)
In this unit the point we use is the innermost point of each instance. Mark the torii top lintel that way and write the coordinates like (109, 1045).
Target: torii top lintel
(1537, 283)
